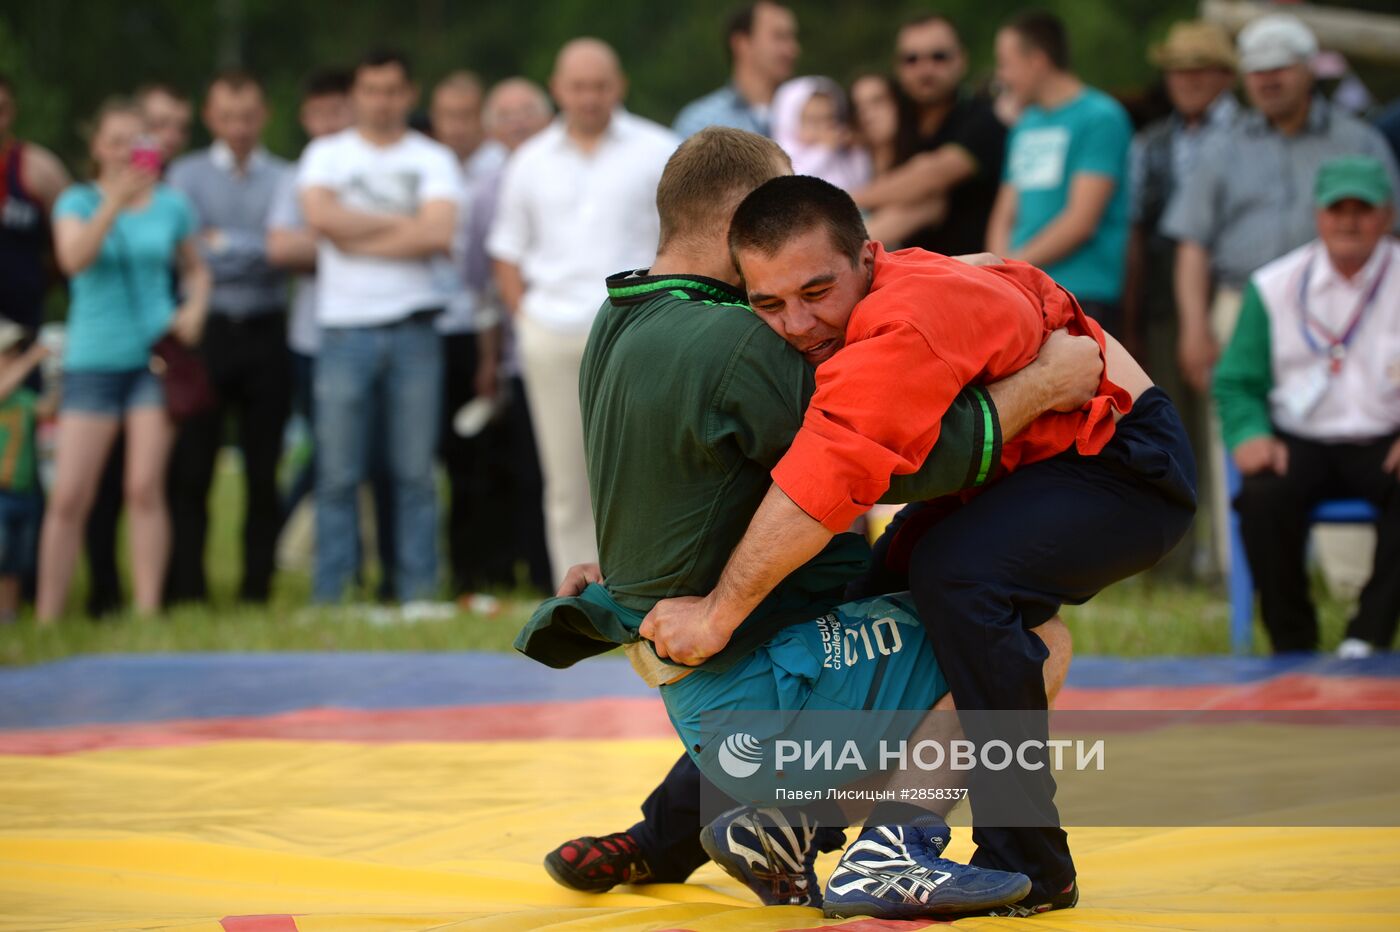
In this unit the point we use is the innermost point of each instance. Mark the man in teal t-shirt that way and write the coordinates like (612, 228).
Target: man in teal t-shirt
(1063, 203)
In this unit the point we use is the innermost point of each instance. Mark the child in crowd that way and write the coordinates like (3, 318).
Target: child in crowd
(811, 121)
(21, 506)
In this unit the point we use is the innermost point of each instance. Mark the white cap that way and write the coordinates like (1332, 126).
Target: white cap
(1275, 41)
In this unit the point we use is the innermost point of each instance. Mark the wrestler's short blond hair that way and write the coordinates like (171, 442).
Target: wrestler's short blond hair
(707, 177)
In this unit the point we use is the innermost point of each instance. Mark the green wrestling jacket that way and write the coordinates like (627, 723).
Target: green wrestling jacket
(689, 400)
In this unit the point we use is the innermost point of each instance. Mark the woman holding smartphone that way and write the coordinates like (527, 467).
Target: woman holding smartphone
(117, 239)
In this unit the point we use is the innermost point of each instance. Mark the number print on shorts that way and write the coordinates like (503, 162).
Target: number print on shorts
(847, 645)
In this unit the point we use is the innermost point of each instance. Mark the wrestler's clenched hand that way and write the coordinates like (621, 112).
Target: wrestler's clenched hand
(578, 578)
(1071, 368)
(685, 630)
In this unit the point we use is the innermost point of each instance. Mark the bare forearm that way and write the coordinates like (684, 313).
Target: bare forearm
(1058, 239)
(407, 240)
(925, 175)
(196, 283)
(488, 347)
(329, 218)
(999, 229)
(903, 185)
(1019, 398)
(294, 250)
(510, 283)
(13, 375)
(80, 242)
(1192, 283)
(894, 224)
(781, 537)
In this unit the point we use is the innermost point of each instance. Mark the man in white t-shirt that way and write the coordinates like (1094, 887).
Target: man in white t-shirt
(383, 200)
(325, 110)
(578, 202)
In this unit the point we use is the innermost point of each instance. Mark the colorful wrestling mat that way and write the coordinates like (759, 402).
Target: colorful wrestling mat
(311, 792)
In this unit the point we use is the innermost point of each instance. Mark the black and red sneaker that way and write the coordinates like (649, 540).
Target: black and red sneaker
(1068, 898)
(596, 865)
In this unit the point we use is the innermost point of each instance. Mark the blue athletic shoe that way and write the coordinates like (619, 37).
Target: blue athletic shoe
(895, 872)
(770, 854)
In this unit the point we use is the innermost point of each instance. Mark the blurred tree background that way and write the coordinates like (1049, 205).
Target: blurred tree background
(65, 56)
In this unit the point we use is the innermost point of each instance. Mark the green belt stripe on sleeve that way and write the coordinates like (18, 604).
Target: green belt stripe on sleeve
(988, 436)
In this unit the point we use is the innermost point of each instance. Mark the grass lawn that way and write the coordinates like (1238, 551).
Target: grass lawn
(1135, 618)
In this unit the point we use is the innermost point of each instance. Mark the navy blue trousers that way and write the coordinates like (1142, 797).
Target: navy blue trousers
(989, 571)
(985, 574)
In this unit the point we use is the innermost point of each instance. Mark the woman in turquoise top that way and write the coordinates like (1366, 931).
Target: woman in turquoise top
(117, 239)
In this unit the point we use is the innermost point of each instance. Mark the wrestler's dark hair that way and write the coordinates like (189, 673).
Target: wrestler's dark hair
(739, 22)
(329, 82)
(1043, 31)
(235, 79)
(378, 58)
(782, 209)
(924, 19)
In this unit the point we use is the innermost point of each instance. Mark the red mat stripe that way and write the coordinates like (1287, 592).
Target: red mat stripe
(258, 924)
(637, 717)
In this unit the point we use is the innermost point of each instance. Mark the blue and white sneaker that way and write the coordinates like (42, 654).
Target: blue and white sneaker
(772, 853)
(896, 872)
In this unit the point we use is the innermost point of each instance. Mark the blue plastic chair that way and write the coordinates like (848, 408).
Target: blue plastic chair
(1332, 511)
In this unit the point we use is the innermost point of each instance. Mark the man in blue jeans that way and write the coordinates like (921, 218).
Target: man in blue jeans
(383, 201)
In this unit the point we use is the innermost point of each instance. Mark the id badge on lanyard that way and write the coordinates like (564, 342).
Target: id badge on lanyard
(1330, 354)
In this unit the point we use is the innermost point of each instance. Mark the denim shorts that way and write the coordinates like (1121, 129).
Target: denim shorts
(111, 393)
(20, 516)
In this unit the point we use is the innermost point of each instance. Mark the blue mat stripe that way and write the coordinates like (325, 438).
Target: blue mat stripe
(142, 688)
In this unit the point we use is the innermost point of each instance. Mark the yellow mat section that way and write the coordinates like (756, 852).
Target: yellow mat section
(351, 837)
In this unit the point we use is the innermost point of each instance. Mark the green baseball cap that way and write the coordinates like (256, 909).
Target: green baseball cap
(1354, 176)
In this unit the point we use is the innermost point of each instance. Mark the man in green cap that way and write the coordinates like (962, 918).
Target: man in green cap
(1309, 396)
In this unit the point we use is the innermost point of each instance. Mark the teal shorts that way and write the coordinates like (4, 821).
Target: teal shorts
(866, 655)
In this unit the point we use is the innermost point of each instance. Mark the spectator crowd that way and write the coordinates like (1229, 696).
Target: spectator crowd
(416, 289)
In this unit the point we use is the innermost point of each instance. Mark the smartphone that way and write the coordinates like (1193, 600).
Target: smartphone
(146, 154)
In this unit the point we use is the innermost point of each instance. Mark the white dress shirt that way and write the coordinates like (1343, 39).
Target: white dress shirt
(569, 218)
(1361, 400)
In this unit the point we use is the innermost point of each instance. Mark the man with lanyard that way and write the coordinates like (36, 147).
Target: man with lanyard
(1309, 395)
(1246, 201)
(683, 324)
(31, 178)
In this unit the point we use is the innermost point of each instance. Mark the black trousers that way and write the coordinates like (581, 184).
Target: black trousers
(496, 518)
(1109, 314)
(250, 366)
(989, 571)
(1274, 524)
(669, 833)
(480, 512)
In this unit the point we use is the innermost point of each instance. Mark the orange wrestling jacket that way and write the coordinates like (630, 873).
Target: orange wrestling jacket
(930, 326)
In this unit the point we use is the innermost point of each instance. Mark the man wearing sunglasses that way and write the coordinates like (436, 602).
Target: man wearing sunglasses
(950, 147)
